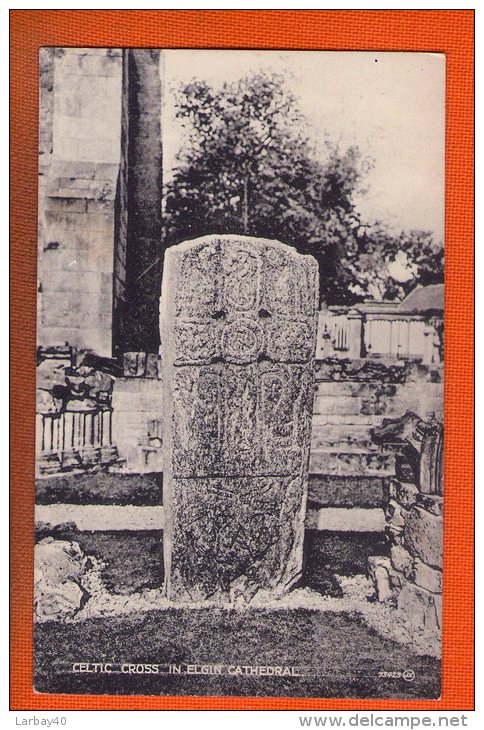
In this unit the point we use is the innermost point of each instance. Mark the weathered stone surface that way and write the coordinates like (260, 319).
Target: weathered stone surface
(238, 333)
(401, 560)
(423, 536)
(378, 569)
(395, 517)
(427, 577)
(438, 608)
(57, 602)
(432, 503)
(134, 364)
(77, 197)
(152, 365)
(58, 567)
(405, 493)
(347, 462)
(432, 459)
(59, 560)
(403, 470)
(386, 580)
(421, 608)
(341, 491)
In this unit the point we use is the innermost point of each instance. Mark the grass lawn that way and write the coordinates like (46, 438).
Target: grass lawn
(340, 654)
(134, 560)
(103, 487)
(100, 487)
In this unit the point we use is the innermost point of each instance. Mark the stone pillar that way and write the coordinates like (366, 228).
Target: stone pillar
(238, 331)
(355, 324)
(138, 252)
(80, 109)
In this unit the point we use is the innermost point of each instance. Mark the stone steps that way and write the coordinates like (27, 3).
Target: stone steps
(342, 388)
(342, 435)
(347, 491)
(351, 462)
(345, 405)
(355, 419)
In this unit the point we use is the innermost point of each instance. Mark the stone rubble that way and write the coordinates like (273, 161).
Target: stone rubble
(409, 583)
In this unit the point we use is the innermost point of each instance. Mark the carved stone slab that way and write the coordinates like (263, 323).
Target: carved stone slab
(238, 333)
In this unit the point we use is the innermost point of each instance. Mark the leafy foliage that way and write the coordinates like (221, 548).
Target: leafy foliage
(248, 166)
(383, 265)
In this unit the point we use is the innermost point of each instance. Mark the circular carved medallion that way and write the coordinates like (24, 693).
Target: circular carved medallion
(242, 341)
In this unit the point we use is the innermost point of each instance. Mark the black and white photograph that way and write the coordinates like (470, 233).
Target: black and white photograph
(240, 353)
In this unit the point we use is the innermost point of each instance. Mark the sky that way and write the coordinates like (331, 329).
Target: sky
(391, 105)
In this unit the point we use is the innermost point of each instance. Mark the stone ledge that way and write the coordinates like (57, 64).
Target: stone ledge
(354, 519)
(402, 560)
(431, 503)
(422, 608)
(386, 580)
(423, 536)
(405, 493)
(342, 491)
(87, 517)
(426, 577)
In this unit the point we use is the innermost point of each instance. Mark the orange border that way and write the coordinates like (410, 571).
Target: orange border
(447, 31)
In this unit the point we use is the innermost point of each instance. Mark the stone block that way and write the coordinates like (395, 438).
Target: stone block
(341, 435)
(427, 577)
(405, 493)
(432, 503)
(61, 202)
(403, 470)
(153, 365)
(401, 560)
(379, 569)
(341, 491)
(423, 536)
(341, 388)
(58, 567)
(345, 405)
(351, 462)
(420, 607)
(353, 520)
(238, 332)
(431, 478)
(55, 602)
(134, 364)
(395, 517)
(386, 580)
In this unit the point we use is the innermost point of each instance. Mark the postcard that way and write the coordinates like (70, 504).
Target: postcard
(240, 350)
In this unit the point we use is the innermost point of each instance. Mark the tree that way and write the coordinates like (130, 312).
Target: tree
(248, 166)
(382, 265)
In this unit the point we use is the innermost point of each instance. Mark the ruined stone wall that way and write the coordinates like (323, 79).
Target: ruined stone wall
(100, 199)
(121, 221)
(138, 235)
(136, 403)
(80, 98)
(411, 578)
(351, 399)
(46, 103)
(346, 468)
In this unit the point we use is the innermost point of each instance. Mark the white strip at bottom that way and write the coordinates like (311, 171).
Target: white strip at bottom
(130, 517)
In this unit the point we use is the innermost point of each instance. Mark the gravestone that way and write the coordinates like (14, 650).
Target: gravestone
(238, 332)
